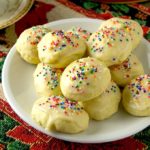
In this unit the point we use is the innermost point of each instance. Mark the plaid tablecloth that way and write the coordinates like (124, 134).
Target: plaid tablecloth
(15, 134)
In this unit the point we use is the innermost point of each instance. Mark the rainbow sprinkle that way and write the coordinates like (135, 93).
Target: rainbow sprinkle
(50, 75)
(79, 32)
(138, 87)
(128, 26)
(79, 73)
(61, 42)
(126, 67)
(36, 34)
(64, 104)
(107, 33)
(112, 88)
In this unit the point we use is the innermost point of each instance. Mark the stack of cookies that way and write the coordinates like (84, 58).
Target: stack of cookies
(79, 74)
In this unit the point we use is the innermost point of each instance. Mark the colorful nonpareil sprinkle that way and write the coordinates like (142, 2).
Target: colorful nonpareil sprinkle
(50, 75)
(80, 33)
(109, 37)
(80, 72)
(139, 86)
(36, 34)
(112, 88)
(64, 104)
(60, 41)
(125, 67)
(128, 26)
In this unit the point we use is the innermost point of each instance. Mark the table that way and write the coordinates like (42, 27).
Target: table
(54, 10)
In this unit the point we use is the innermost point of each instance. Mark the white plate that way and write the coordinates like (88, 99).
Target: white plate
(18, 88)
(13, 10)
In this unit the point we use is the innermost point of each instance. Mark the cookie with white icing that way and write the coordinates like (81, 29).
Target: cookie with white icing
(136, 96)
(110, 46)
(84, 79)
(27, 42)
(105, 105)
(130, 26)
(47, 80)
(60, 49)
(56, 113)
(123, 73)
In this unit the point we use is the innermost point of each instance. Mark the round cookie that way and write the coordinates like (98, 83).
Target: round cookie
(60, 114)
(27, 42)
(130, 26)
(105, 105)
(110, 46)
(47, 80)
(123, 73)
(136, 96)
(84, 79)
(81, 33)
(60, 49)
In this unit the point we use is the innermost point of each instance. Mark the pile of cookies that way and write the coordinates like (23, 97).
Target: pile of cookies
(79, 74)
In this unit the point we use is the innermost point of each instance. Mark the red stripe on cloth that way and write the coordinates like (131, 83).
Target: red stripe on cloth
(88, 13)
(119, 1)
(22, 134)
(41, 146)
(142, 8)
(2, 147)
